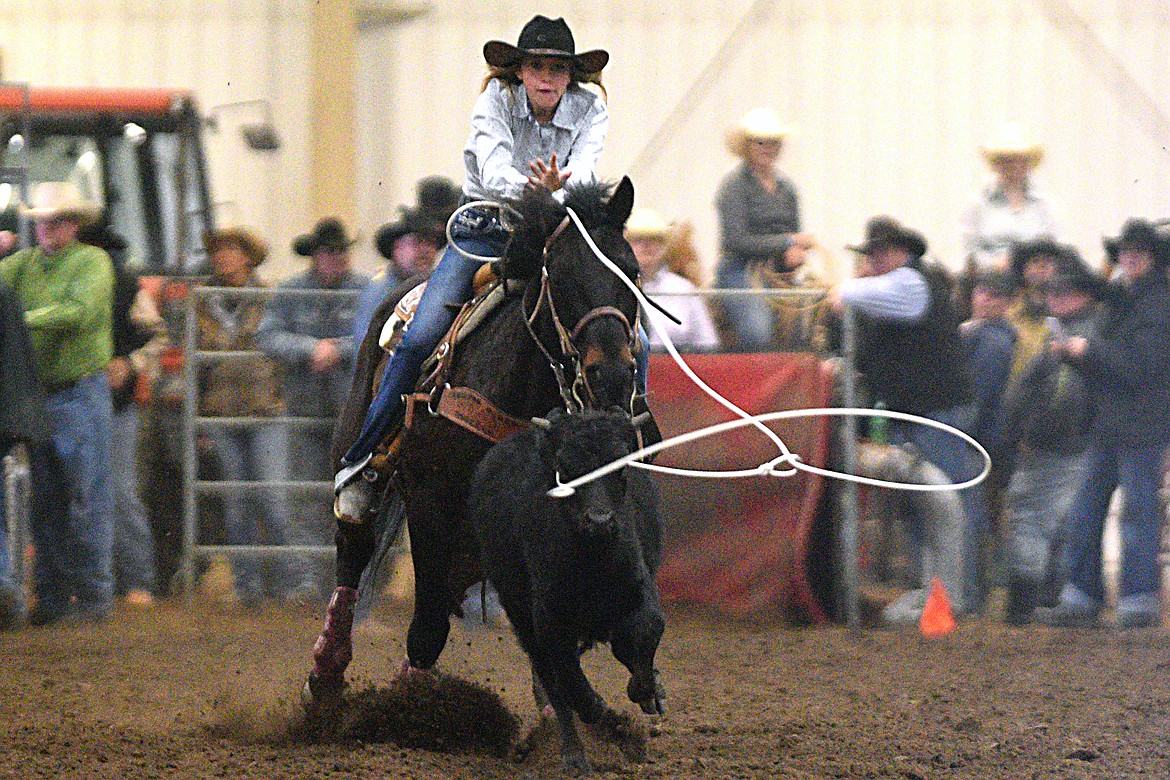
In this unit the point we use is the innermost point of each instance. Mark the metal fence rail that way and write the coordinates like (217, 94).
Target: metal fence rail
(194, 487)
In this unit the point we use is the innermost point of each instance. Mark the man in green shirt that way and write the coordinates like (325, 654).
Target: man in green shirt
(65, 289)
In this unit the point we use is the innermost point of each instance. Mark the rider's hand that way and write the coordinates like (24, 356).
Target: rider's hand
(547, 175)
(325, 356)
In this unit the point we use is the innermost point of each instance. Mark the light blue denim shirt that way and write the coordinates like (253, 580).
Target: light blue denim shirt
(505, 138)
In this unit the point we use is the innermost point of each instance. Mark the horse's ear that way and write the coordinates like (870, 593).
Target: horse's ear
(621, 203)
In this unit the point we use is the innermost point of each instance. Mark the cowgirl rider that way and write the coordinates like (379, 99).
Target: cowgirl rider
(533, 125)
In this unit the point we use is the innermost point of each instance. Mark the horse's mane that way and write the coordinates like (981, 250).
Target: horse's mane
(540, 214)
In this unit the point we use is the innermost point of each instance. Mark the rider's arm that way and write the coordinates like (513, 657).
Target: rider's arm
(590, 119)
(489, 150)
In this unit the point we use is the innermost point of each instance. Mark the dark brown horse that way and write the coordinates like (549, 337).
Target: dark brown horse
(563, 337)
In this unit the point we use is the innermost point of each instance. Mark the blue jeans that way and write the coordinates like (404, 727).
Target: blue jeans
(257, 454)
(750, 317)
(954, 457)
(1138, 472)
(72, 523)
(133, 542)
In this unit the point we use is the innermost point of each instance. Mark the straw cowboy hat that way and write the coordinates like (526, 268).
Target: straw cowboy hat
(647, 223)
(1012, 140)
(544, 37)
(328, 234)
(760, 124)
(60, 199)
(881, 232)
(253, 247)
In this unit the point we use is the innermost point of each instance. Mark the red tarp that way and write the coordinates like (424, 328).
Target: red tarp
(740, 546)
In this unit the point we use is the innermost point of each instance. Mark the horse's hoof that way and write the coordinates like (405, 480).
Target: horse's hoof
(319, 692)
(405, 670)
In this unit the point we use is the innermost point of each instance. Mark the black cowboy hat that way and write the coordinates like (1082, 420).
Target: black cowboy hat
(329, 234)
(1073, 273)
(1046, 246)
(886, 231)
(438, 197)
(1142, 235)
(998, 282)
(544, 37)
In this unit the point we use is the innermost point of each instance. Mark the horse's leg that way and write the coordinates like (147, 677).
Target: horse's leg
(333, 649)
(431, 548)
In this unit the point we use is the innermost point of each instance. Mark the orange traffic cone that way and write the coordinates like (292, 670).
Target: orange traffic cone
(937, 619)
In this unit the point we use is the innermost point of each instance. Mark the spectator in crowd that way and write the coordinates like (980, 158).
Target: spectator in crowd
(1011, 209)
(22, 419)
(989, 341)
(311, 337)
(670, 264)
(246, 387)
(411, 245)
(66, 290)
(534, 125)
(138, 338)
(1126, 367)
(1034, 263)
(759, 224)
(1049, 417)
(911, 356)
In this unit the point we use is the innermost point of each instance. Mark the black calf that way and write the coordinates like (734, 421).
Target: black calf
(574, 571)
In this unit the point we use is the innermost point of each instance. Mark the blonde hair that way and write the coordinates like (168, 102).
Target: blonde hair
(511, 75)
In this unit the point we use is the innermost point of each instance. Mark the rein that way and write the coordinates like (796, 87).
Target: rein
(576, 393)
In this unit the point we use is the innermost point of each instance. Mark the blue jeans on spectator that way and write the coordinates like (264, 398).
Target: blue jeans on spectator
(258, 454)
(750, 317)
(133, 542)
(72, 524)
(1138, 471)
(955, 458)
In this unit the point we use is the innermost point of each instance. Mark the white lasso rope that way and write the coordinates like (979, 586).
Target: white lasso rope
(772, 467)
(475, 204)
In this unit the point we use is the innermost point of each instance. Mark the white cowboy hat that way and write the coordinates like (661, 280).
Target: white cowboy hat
(762, 124)
(647, 223)
(1012, 140)
(61, 199)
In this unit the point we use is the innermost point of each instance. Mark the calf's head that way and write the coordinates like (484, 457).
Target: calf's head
(576, 444)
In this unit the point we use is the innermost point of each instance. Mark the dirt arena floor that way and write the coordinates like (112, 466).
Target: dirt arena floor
(207, 692)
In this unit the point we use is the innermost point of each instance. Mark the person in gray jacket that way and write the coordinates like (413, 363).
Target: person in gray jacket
(311, 336)
(1049, 414)
(759, 225)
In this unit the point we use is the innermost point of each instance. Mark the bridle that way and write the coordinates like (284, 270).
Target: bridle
(577, 393)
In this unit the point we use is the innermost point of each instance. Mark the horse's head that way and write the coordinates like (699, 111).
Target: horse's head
(593, 312)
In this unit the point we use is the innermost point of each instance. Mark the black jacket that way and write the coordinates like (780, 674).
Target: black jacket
(22, 399)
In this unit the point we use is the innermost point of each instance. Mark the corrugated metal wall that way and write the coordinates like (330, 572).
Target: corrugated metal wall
(892, 97)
